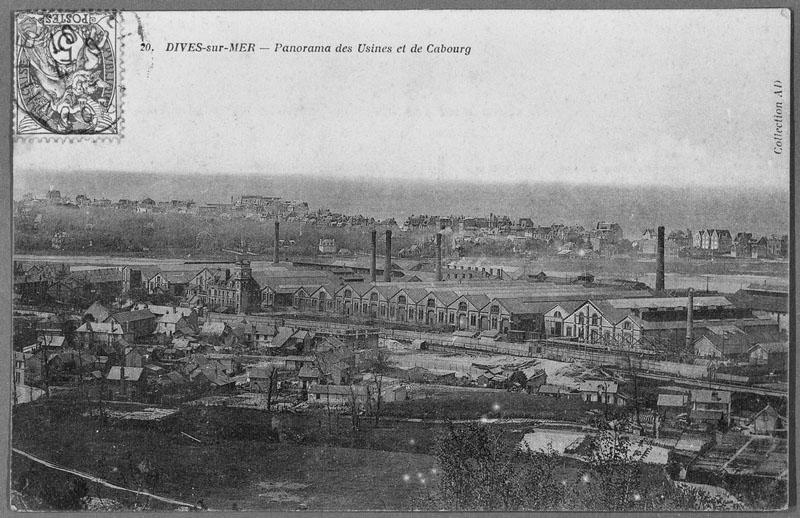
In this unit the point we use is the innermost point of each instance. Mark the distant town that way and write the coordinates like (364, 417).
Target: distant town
(263, 322)
(465, 235)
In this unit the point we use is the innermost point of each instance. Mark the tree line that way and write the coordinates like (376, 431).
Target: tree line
(99, 229)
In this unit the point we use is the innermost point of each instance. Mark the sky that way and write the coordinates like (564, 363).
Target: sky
(590, 97)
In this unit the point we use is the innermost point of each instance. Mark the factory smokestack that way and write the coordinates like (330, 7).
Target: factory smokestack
(275, 250)
(373, 267)
(387, 268)
(660, 260)
(690, 319)
(438, 256)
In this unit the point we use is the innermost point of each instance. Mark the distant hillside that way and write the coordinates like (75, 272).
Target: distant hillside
(635, 208)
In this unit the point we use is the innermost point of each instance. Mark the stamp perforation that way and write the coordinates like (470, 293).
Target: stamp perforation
(66, 59)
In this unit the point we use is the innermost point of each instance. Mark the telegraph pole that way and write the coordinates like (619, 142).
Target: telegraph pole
(45, 368)
(123, 356)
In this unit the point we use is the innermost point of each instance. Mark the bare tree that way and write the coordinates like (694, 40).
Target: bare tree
(377, 367)
(618, 466)
(272, 385)
(123, 358)
(481, 471)
(632, 371)
(355, 407)
(44, 342)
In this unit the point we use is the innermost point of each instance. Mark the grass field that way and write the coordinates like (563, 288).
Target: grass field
(253, 460)
(286, 476)
(247, 469)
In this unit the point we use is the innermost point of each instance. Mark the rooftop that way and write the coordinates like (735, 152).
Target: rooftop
(132, 316)
(769, 288)
(100, 327)
(772, 347)
(131, 373)
(164, 310)
(672, 400)
(605, 387)
(710, 396)
(307, 371)
(213, 328)
(170, 318)
(668, 302)
(769, 303)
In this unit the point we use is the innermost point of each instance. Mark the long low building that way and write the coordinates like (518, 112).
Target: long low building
(615, 314)
(656, 322)
(625, 319)
(635, 322)
(588, 314)
(517, 309)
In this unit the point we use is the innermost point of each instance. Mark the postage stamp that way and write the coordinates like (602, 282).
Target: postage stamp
(66, 74)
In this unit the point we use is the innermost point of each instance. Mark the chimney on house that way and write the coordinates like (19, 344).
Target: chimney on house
(690, 319)
(275, 251)
(387, 268)
(660, 260)
(373, 267)
(439, 256)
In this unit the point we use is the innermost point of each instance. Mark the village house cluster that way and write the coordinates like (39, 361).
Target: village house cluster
(249, 206)
(745, 245)
(163, 354)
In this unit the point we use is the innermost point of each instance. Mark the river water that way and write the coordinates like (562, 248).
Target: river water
(725, 283)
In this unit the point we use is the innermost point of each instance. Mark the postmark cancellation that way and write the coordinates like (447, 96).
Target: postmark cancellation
(66, 67)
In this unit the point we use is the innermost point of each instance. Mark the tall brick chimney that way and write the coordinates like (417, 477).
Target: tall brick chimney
(690, 319)
(373, 267)
(660, 260)
(275, 251)
(387, 268)
(438, 256)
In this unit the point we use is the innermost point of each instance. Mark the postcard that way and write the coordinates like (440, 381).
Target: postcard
(398, 260)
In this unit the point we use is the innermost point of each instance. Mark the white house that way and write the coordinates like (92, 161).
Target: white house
(327, 245)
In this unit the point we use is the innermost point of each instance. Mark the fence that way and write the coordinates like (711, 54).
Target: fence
(685, 370)
(278, 320)
(102, 482)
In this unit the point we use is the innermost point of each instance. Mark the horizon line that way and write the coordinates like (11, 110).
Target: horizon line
(612, 182)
